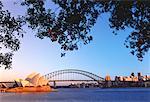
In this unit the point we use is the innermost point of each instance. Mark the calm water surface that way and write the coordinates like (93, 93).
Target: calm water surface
(81, 95)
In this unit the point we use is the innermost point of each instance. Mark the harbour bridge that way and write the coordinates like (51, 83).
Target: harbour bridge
(73, 75)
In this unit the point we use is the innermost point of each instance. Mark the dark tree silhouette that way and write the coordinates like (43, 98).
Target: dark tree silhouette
(10, 31)
(75, 18)
(134, 14)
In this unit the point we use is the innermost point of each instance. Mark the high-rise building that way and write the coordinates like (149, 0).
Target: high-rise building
(139, 74)
(140, 78)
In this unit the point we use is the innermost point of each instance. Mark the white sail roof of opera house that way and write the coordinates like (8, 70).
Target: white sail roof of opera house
(34, 79)
(30, 76)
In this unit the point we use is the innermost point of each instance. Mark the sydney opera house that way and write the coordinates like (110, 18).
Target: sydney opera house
(32, 83)
(33, 79)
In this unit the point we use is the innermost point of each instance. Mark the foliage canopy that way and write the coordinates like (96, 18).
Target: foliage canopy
(10, 32)
(72, 24)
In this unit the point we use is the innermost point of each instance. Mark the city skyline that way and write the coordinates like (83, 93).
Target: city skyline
(106, 54)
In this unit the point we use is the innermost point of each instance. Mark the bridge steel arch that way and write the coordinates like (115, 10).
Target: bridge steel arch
(90, 75)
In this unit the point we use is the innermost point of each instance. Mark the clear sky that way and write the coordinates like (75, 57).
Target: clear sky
(106, 54)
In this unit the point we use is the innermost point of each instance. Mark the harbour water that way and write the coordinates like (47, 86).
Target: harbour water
(82, 95)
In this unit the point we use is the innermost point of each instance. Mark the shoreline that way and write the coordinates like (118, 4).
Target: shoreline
(7, 90)
(28, 89)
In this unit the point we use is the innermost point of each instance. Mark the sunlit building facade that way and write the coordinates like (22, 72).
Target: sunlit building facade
(33, 79)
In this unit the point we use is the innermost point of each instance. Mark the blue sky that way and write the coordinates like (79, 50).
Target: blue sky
(106, 54)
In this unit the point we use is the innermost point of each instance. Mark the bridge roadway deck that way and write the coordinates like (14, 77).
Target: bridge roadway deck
(53, 81)
(70, 80)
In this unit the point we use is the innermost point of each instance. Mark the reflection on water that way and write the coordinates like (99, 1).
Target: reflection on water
(81, 95)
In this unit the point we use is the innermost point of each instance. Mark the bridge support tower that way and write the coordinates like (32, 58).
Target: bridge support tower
(54, 84)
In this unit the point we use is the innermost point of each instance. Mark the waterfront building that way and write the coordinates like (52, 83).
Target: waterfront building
(33, 79)
(107, 78)
(146, 78)
(139, 74)
(127, 78)
(121, 78)
(108, 82)
(33, 83)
